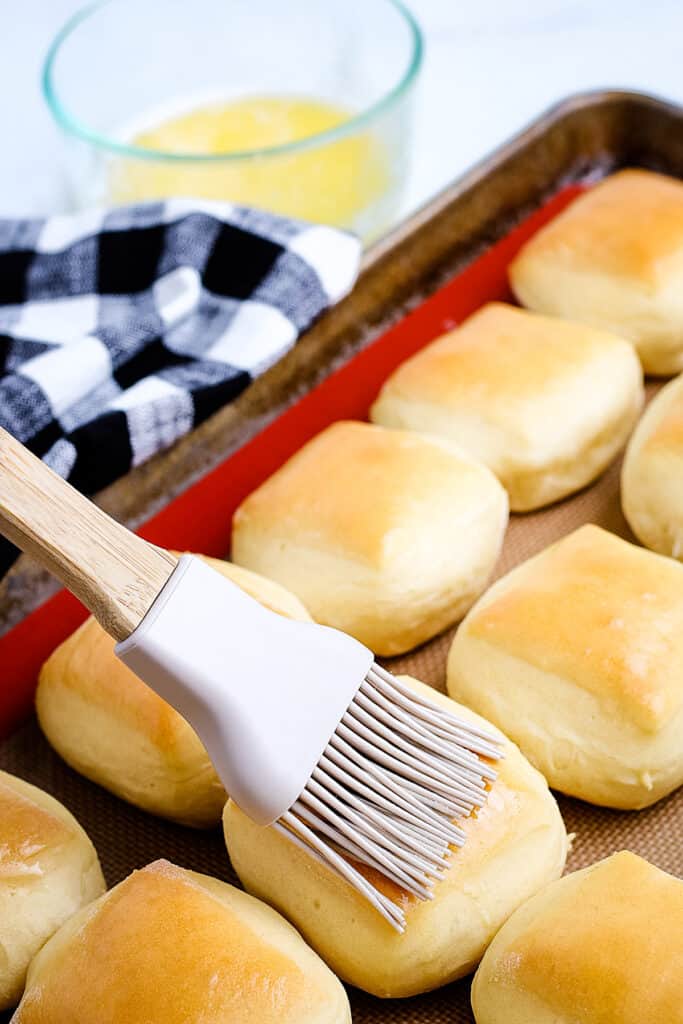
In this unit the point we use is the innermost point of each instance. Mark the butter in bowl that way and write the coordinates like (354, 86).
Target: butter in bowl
(299, 108)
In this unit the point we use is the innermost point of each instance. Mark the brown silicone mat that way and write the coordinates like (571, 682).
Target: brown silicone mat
(126, 838)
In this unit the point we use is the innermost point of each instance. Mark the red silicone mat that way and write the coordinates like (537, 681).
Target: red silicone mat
(200, 520)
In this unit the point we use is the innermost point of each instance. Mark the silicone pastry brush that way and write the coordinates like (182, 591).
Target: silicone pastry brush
(308, 734)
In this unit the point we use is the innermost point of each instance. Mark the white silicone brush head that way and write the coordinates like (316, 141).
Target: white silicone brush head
(310, 736)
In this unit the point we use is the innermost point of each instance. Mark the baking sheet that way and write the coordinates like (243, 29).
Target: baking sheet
(127, 838)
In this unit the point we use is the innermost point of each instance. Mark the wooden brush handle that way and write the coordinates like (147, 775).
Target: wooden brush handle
(115, 574)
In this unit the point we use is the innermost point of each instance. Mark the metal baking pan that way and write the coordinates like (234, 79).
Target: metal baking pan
(429, 273)
(583, 137)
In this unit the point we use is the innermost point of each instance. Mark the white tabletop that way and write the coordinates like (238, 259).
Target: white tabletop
(490, 67)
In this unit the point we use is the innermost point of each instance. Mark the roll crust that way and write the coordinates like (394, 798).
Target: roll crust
(600, 946)
(48, 870)
(113, 729)
(652, 474)
(614, 259)
(579, 652)
(515, 845)
(545, 404)
(175, 946)
(372, 529)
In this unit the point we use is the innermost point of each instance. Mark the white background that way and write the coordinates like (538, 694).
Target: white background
(490, 66)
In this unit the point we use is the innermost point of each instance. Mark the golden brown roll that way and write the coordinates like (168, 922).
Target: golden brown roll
(113, 729)
(543, 403)
(652, 474)
(385, 534)
(48, 871)
(578, 654)
(515, 845)
(169, 946)
(601, 946)
(614, 259)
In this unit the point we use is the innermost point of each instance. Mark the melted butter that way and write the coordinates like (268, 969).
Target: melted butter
(500, 803)
(331, 183)
(26, 832)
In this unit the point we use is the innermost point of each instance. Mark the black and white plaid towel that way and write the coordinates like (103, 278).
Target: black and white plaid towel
(122, 329)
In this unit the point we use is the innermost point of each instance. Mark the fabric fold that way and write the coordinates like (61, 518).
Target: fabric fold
(121, 330)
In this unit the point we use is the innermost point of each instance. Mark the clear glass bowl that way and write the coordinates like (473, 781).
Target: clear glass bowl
(122, 64)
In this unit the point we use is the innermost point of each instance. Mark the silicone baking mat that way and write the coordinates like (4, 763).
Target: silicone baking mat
(126, 838)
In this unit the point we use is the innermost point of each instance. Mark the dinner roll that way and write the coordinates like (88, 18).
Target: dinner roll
(385, 534)
(652, 474)
(544, 403)
(48, 871)
(614, 259)
(601, 946)
(578, 654)
(515, 844)
(109, 726)
(169, 946)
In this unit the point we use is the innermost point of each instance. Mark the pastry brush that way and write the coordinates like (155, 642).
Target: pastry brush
(308, 734)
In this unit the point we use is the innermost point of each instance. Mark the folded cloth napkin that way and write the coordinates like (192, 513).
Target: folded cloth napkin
(122, 329)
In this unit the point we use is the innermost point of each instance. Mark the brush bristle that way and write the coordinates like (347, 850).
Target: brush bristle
(395, 776)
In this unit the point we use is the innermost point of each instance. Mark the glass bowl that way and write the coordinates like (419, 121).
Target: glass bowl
(120, 67)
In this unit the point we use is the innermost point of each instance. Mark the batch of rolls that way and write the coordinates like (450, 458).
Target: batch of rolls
(390, 531)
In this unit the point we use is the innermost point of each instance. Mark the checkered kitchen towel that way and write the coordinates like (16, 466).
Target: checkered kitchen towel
(122, 329)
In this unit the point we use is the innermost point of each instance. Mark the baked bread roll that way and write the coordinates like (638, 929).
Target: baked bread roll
(109, 726)
(601, 946)
(578, 653)
(169, 946)
(515, 845)
(385, 534)
(543, 403)
(48, 871)
(614, 259)
(652, 474)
